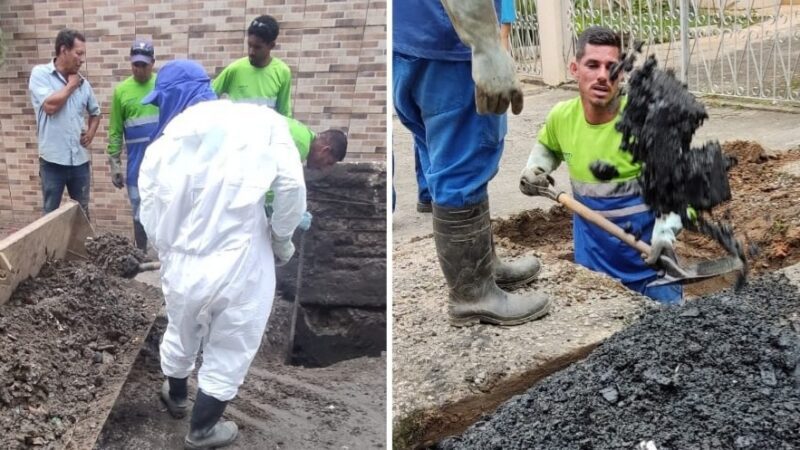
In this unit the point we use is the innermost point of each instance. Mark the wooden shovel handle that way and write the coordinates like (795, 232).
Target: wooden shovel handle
(607, 225)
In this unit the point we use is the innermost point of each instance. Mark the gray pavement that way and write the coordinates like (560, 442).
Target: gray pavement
(775, 131)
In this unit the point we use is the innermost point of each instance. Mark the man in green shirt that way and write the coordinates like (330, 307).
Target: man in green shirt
(136, 123)
(260, 77)
(318, 150)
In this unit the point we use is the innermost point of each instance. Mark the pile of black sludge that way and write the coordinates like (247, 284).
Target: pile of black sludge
(722, 372)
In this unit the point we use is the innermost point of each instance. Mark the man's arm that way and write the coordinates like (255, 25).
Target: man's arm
(493, 71)
(94, 118)
(58, 99)
(284, 102)
(115, 126)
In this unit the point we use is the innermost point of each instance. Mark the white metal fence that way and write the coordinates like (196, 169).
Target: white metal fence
(741, 48)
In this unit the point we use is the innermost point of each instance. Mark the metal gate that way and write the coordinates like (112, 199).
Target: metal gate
(525, 39)
(740, 48)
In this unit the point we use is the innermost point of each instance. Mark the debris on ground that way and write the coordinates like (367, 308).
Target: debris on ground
(67, 338)
(718, 373)
(115, 255)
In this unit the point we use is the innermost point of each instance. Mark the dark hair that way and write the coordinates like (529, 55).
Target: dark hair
(264, 27)
(597, 35)
(337, 139)
(67, 37)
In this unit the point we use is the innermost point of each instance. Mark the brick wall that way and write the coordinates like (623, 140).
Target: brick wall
(336, 49)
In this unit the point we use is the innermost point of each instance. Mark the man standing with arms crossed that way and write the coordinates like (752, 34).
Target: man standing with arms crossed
(61, 97)
(136, 123)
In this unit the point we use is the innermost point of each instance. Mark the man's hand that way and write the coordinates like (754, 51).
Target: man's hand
(305, 222)
(496, 84)
(665, 231)
(535, 181)
(86, 138)
(283, 249)
(117, 179)
(73, 81)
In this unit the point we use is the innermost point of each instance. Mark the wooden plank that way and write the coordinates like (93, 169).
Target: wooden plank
(60, 234)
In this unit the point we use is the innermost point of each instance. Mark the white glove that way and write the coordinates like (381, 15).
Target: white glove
(534, 181)
(282, 248)
(496, 82)
(305, 222)
(665, 231)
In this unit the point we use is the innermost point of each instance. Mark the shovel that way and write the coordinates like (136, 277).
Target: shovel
(673, 271)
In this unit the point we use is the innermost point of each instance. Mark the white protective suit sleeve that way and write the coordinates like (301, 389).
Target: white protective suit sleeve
(542, 158)
(289, 184)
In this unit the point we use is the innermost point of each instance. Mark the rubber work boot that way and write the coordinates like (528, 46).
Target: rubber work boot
(424, 207)
(464, 246)
(207, 431)
(517, 273)
(139, 236)
(175, 397)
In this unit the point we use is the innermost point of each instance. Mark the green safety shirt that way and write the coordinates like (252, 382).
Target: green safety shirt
(270, 85)
(579, 143)
(302, 137)
(132, 122)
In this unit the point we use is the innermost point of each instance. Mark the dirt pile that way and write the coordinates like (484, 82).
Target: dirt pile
(115, 255)
(66, 337)
(720, 372)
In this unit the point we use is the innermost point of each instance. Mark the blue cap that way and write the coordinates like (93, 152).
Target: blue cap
(142, 51)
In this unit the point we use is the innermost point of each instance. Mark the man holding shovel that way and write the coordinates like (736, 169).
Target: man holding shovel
(581, 131)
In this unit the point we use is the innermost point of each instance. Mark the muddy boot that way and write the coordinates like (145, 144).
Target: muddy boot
(206, 429)
(175, 397)
(464, 246)
(139, 236)
(514, 274)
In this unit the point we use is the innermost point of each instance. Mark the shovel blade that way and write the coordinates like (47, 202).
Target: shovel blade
(697, 271)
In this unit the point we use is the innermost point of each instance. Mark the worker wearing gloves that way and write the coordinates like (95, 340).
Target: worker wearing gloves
(581, 131)
(463, 141)
(135, 123)
(203, 184)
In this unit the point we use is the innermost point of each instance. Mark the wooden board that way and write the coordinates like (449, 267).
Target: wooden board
(60, 234)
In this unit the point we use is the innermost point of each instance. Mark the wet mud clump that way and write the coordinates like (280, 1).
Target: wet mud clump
(722, 372)
(66, 338)
(657, 126)
(115, 255)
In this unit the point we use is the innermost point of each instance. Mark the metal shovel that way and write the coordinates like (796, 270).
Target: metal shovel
(673, 271)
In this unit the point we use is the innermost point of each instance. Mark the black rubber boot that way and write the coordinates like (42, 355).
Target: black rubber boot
(139, 236)
(207, 431)
(175, 397)
(464, 246)
(517, 273)
(424, 207)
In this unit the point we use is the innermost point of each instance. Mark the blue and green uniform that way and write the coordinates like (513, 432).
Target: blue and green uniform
(135, 123)
(579, 143)
(270, 85)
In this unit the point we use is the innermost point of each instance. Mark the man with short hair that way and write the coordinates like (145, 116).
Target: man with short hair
(318, 150)
(135, 123)
(581, 131)
(61, 98)
(260, 77)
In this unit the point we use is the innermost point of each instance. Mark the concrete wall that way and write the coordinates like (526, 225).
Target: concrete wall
(343, 291)
(336, 49)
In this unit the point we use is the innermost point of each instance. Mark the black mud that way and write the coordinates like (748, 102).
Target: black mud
(722, 372)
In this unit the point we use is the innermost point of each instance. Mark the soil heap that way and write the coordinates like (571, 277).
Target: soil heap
(60, 335)
(722, 372)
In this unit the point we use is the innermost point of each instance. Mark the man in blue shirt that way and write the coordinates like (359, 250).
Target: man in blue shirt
(61, 97)
(461, 147)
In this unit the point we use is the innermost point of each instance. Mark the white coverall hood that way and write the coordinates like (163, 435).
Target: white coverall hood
(203, 185)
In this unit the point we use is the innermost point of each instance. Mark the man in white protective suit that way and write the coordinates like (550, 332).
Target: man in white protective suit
(203, 184)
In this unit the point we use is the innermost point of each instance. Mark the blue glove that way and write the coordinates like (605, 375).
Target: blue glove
(305, 222)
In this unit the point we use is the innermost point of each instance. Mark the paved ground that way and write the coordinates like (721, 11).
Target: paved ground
(773, 130)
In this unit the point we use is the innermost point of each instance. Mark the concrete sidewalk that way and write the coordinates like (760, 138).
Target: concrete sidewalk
(775, 131)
